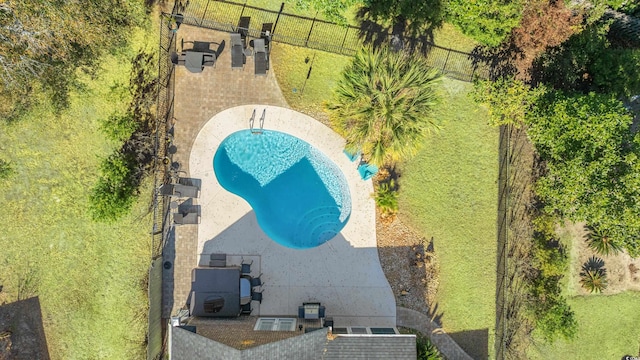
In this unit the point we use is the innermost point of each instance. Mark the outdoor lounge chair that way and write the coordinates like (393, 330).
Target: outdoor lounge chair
(367, 171)
(179, 190)
(260, 57)
(256, 296)
(186, 218)
(218, 260)
(238, 58)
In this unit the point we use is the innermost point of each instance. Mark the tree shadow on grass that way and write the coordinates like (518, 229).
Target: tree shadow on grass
(401, 24)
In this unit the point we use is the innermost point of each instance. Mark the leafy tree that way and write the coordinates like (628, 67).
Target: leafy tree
(487, 21)
(43, 42)
(593, 163)
(589, 62)
(507, 99)
(383, 104)
(544, 24)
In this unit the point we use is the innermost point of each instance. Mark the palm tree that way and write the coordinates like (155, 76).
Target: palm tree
(593, 276)
(383, 104)
(601, 243)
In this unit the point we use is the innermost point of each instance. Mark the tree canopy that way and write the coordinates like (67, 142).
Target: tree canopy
(384, 104)
(593, 162)
(43, 42)
(487, 21)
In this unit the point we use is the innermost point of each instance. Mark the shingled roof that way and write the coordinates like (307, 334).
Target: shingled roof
(315, 345)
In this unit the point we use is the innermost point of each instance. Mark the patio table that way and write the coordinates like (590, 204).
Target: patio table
(194, 61)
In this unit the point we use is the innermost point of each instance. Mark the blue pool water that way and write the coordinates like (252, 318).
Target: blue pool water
(300, 197)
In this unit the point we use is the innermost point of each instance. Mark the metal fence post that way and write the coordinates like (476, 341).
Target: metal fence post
(277, 18)
(205, 12)
(306, 42)
(343, 41)
(444, 67)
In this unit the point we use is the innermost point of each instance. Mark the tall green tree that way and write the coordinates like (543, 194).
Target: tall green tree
(43, 42)
(593, 163)
(487, 21)
(384, 104)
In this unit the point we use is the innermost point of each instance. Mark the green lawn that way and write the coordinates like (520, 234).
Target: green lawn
(449, 192)
(291, 71)
(89, 277)
(607, 329)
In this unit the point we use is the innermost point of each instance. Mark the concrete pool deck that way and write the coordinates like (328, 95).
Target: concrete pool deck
(343, 274)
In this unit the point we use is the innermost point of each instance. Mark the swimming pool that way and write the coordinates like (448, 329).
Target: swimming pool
(300, 197)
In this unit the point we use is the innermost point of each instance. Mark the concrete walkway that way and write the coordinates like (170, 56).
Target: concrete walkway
(418, 321)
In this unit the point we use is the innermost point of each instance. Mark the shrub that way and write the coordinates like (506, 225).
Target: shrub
(601, 242)
(386, 198)
(593, 276)
(426, 349)
(507, 99)
(115, 191)
(5, 169)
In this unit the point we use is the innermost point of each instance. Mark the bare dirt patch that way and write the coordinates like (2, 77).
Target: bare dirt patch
(409, 264)
(623, 271)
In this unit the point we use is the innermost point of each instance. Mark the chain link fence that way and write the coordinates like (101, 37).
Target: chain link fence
(317, 34)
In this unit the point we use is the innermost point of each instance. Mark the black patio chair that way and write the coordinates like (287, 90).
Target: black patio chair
(257, 296)
(256, 281)
(245, 268)
(243, 27)
(238, 58)
(260, 57)
(246, 309)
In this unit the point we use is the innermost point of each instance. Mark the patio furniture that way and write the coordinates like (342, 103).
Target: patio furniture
(243, 27)
(209, 60)
(311, 311)
(238, 57)
(265, 34)
(256, 281)
(194, 61)
(261, 60)
(179, 190)
(208, 285)
(257, 296)
(245, 290)
(246, 309)
(186, 218)
(352, 156)
(218, 260)
(245, 267)
(177, 59)
(367, 171)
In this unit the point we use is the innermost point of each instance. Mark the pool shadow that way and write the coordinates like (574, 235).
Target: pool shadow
(347, 280)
